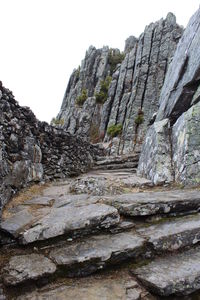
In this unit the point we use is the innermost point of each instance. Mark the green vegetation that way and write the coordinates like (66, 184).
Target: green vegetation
(115, 58)
(114, 130)
(140, 117)
(102, 96)
(55, 121)
(82, 98)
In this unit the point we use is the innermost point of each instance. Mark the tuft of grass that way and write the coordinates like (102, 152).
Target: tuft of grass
(82, 98)
(102, 96)
(114, 130)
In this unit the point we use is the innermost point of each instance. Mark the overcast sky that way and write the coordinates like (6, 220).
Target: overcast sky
(42, 41)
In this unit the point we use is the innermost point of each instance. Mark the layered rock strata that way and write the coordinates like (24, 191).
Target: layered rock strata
(133, 94)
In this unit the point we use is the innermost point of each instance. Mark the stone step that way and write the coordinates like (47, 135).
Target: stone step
(95, 253)
(177, 274)
(152, 203)
(172, 235)
(69, 220)
(125, 165)
(116, 159)
(23, 268)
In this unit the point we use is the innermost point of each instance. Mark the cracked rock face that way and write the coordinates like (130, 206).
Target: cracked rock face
(176, 149)
(136, 85)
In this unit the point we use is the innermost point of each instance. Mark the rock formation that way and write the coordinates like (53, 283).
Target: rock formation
(32, 151)
(172, 147)
(132, 95)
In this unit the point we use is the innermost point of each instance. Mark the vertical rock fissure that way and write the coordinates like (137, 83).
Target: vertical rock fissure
(149, 65)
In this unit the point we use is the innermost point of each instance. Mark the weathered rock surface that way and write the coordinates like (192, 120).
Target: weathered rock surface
(27, 267)
(70, 220)
(88, 256)
(182, 79)
(155, 159)
(174, 234)
(178, 274)
(135, 86)
(173, 153)
(150, 203)
(33, 151)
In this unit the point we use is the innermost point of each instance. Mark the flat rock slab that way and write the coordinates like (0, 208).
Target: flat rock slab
(178, 274)
(172, 235)
(27, 267)
(70, 220)
(86, 257)
(151, 203)
(18, 222)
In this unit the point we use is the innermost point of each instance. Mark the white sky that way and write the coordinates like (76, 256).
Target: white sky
(42, 41)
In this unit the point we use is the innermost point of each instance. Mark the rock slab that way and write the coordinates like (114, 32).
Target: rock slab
(71, 220)
(27, 267)
(92, 254)
(179, 274)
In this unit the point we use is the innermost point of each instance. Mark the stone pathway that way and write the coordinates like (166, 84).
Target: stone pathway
(95, 223)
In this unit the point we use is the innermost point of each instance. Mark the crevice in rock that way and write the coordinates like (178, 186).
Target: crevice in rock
(149, 66)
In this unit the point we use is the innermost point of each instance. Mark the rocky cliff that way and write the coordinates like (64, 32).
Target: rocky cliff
(172, 147)
(32, 151)
(115, 94)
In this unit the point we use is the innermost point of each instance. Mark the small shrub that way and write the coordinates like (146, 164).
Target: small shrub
(140, 117)
(115, 58)
(82, 98)
(102, 96)
(114, 130)
(55, 121)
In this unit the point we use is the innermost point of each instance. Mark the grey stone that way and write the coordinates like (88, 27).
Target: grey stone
(186, 147)
(27, 267)
(151, 203)
(174, 234)
(155, 159)
(70, 220)
(178, 275)
(182, 78)
(136, 84)
(18, 222)
(95, 253)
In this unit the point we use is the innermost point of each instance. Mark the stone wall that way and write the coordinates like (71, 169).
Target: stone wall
(32, 151)
(178, 151)
(136, 84)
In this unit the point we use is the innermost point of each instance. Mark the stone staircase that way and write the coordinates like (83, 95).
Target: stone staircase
(60, 234)
(118, 163)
